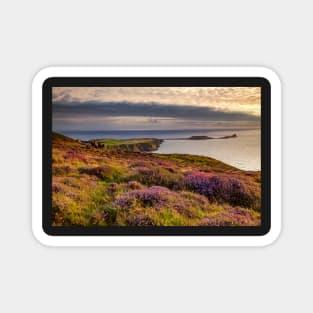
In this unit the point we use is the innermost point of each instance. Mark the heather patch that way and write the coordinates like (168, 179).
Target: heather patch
(159, 198)
(66, 211)
(74, 155)
(221, 189)
(196, 199)
(155, 196)
(105, 216)
(71, 181)
(158, 176)
(57, 157)
(142, 164)
(103, 172)
(232, 217)
(133, 184)
(62, 170)
(140, 220)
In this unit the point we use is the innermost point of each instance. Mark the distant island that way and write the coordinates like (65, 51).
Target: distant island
(206, 137)
(201, 137)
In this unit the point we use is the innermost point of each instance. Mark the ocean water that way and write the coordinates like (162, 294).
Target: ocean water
(243, 152)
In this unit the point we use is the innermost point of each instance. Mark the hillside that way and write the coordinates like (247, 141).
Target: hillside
(106, 185)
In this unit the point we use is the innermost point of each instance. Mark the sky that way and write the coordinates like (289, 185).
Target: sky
(155, 108)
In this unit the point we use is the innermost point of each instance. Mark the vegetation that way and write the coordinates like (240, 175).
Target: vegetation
(107, 183)
(133, 145)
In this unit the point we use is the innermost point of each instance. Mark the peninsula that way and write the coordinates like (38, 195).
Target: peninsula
(141, 144)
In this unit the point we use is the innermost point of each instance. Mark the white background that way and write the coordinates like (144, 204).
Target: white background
(36, 34)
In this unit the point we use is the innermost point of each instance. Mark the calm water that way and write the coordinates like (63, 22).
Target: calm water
(243, 152)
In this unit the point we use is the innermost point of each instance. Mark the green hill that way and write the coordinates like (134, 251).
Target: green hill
(116, 182)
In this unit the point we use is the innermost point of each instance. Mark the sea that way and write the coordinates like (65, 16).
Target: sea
(243, 152)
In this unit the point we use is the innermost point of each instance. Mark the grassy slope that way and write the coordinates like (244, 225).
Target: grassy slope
(132, 145)
(118, 142)
(99, 186)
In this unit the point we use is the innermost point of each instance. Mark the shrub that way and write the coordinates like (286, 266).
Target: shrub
(72, 181)
(139, 164)
(57, 187)
(158, 176)
(140, 220)
(112, 188)
(232, 217)
(221, 189)
(61, 170)
(160, 198)
(66, 211)
(103, 172)
(133, 184)
(195, 198)
(109, 214)
(154, 196)
(75, 155)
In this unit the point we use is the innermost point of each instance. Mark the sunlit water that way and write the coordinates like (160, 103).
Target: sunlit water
(243, 152)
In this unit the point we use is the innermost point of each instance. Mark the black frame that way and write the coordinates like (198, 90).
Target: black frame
(157, 82)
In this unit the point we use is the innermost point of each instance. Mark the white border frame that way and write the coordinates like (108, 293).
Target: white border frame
(125, 241)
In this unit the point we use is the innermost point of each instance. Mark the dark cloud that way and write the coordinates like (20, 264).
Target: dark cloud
(87, 109)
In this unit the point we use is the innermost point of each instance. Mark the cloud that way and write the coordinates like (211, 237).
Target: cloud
(89, 109)
(240, 99)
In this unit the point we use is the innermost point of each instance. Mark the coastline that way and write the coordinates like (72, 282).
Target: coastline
(142, 144)
(239, 150)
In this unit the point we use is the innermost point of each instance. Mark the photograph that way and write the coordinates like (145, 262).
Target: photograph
(156, 156)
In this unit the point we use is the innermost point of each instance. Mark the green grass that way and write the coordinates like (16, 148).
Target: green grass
(117, 142)
(196, 160)
(132, 145)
